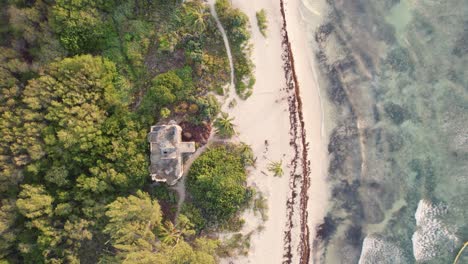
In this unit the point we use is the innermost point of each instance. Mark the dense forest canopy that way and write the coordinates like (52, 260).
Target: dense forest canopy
(80, 81)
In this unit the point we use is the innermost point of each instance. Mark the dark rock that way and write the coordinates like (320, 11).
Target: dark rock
(354, 235)
(399, 60)
(323, 32)
(396, 113)
(326, 229)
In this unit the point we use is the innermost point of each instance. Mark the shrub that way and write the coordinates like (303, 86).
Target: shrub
(165, 112)
(217, 182)
(236, 24)
(194, 215)
(79, 27)
(262, 21)
(275, 167)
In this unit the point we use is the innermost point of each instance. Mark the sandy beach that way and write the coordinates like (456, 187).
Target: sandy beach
(313, 107)
(264, 122)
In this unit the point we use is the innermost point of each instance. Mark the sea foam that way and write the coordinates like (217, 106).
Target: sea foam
(378, 250)
(432, 236)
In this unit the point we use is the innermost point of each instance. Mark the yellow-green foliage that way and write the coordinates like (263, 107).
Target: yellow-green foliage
(276, 167)
(73, 150)
(262, 21)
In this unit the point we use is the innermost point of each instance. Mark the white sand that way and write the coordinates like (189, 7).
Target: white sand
(265, 116)
(312, 103)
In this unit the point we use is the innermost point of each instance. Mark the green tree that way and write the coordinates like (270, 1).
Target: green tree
(201, 253)
(196, 16)
(79, 25)
(7, 230)
(171, 234)
(132, 223)
(34, 202)
(72, 134)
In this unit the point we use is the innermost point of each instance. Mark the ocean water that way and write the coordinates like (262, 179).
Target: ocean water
(395, 73)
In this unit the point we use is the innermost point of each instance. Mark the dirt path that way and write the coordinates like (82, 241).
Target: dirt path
(211, 4)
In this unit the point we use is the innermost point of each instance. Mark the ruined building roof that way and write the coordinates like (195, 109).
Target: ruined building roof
(167, 148)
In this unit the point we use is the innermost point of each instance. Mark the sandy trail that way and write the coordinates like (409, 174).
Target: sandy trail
(231, 91)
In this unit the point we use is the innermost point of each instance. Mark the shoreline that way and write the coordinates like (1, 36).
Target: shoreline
(291, 121)
(313, 110)
(300, 145)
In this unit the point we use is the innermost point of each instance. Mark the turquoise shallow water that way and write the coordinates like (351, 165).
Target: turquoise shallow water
(396, 74)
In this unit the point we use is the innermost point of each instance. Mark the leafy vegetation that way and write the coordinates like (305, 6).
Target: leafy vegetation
(224, 126)
(262, 21)
(138, 235)
(237, 244)
(276, 167)
(72, 149)
(217, 182)
(80, 81)
(236, 24)
(260, 205)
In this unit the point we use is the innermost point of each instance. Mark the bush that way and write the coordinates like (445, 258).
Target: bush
(217, 182)
(165, 112)
(276, 167)
(236, 24)
(194, 215)
(208, 108)
(262, 21)
(80, 27)
(166, 89)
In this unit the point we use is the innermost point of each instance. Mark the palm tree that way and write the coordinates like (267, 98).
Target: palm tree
(275, 167)
(194, 17)
(197, 16)
(224, 126)
(169, 234)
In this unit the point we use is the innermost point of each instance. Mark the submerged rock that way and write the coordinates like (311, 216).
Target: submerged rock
(397, 113)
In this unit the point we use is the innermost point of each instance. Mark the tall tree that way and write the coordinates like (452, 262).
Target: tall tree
(7, 231)
(79, 25)
(132, 223)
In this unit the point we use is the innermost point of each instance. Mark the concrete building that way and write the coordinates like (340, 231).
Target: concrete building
(167, 150)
